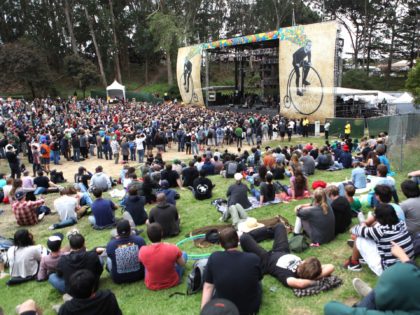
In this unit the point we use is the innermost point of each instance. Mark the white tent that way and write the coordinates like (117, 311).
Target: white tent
(405, 98)
(115, 90)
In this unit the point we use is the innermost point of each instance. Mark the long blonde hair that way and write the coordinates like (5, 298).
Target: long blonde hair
(320, 198)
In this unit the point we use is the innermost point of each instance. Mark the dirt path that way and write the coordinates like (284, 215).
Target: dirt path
(69, 168)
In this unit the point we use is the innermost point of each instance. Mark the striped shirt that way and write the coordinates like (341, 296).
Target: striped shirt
(382, 235)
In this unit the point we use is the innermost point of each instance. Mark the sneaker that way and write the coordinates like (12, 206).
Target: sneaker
(350, 243)
(51, 227)
(56, 308)
(352, 265)
(41, 216)
(362, 261)
(361, 287)
(67, 297)
(306, 83)
(299, 93)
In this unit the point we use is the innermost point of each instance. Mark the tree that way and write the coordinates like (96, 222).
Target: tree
(23, 63)
(168, 35)
(82, 71)
(413, 82)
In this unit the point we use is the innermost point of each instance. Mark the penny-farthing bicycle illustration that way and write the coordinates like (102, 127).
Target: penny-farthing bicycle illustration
(191, 96)
(307, 98)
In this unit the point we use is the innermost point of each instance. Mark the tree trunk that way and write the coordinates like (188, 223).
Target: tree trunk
(391, 52)
(277, 14)
(169, 68)
(95, 44)
(146, 71)
(70, 26)
(114, 38)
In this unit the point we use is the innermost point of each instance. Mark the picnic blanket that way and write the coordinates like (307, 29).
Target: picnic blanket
(117, 193)
(324, 284)
(270, 222)
(222, 207)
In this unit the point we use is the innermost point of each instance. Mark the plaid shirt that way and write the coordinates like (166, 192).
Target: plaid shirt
(25, 211)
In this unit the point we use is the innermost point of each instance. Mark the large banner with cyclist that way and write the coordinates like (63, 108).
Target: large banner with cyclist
(307, 70)
(188, 70)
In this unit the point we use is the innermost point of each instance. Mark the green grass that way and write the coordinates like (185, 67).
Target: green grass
(136, 299)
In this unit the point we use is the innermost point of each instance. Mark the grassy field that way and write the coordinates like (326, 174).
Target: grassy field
(136, 299)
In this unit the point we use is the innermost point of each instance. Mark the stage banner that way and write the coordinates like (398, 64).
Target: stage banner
(306, 70)
(188, 70)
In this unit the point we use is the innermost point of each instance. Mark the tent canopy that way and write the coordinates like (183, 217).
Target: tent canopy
(115, 90)
(405, 98)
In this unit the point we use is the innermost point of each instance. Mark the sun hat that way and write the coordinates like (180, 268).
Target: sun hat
(249, 225)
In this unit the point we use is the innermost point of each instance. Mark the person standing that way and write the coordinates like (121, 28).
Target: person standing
(327, 129)
(233, 275)
(13, 160)
(238, 134)
(140, 146)
(347, 130)
(115, 147)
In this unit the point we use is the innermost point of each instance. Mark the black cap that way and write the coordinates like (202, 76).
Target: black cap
(219, 307)
(123, 228)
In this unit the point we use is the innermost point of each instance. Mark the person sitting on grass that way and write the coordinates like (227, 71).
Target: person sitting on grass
(341, 208)
(164, 263)
(233, 275)
(103, 211)
(382, 179)
(202, 186)
(49, 262)
(134, 210)
(373, 241)
(166, 215)
(68, 208)
(415, 176)
(171, 195)
(411, 208)
(29, 307)
(237, 193)
(299, 187)
(78, 258)
(87, 300)
(27, 212)
(122, 252)
(383, 194)
(289, 269)
(171, 176)
(316, 219)
(100, 180)
(387, 297)
(267, 192)
(189, 174)
(355, 204)
(24, 256)
(42, 184)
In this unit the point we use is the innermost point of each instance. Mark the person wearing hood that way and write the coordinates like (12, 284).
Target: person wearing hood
(86, 299)
(396, 293)
(134, 207)
(166, 215)
(78, 258)
(171, 195)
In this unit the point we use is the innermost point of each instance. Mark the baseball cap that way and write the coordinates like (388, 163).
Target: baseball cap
(219, 307)
(123, 228)
(20, 194)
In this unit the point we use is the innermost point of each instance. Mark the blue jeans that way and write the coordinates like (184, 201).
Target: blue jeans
(56, 157)
(40, 190)
(140, 154)
(86, 199)
(65, 223)
(180, 269)
(57, 282)
(76, 155)
(194, 148)
(368, 301)
(256, 193)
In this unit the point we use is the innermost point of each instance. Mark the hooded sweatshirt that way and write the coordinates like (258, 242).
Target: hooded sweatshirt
(396, 293)
(102, 303)
(74, 261)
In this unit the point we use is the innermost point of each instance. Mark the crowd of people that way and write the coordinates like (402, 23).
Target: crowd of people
(386, 239)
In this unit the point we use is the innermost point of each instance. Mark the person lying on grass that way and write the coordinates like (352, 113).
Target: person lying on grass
(289, 269)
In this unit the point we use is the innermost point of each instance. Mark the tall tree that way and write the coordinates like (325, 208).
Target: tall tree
(70, 26)
(97, 50)
(115, 52)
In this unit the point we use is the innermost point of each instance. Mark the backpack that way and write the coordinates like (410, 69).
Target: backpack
(43, 150)
(195, 280)
(298, 243)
